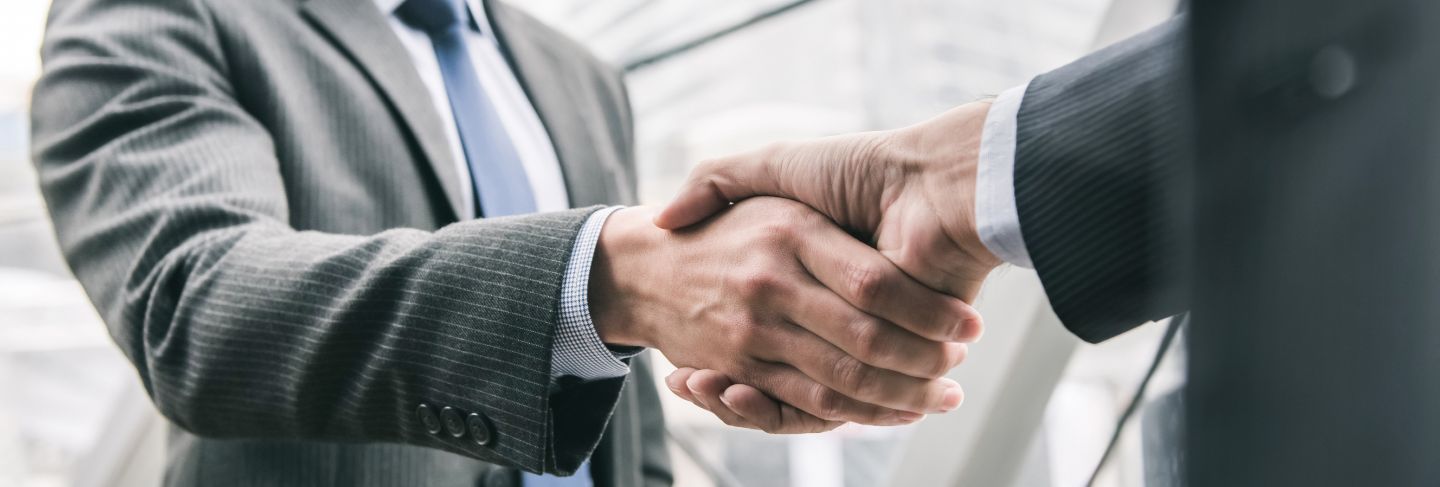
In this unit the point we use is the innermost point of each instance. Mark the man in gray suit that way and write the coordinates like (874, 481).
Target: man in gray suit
(273, 204)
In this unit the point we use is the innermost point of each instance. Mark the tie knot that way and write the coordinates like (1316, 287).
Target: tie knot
(432, 16)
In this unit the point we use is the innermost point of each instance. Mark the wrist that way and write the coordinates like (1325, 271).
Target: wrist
(616, 295)
(946, 150)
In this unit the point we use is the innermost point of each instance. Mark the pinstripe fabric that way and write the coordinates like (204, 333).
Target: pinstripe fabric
(255, 212)
(1098, 143)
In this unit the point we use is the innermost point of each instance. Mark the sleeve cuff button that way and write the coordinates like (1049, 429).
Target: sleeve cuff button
(480, 431)
(428, 419)
(454, 424)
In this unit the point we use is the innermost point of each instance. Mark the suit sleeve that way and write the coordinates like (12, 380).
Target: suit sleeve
(1100, 146)
(168, 204)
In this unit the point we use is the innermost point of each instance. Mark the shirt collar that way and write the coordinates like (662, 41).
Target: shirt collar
(477, 10)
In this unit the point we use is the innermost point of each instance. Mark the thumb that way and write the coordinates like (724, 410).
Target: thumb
(699, 198)
(713, 185)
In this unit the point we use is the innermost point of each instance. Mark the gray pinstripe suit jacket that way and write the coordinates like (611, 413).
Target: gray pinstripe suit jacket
(258, 199)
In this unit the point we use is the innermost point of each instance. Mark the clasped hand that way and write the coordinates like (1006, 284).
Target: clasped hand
(776, 296)
(911, 191)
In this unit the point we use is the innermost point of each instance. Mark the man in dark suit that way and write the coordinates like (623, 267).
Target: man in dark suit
(1312, 225)
(273, 204)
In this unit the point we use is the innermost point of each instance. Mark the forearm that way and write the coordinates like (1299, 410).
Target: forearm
(263, 332)
(1099, 146)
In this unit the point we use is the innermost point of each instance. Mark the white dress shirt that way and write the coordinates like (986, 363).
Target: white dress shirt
(578, 350)
(996, 218)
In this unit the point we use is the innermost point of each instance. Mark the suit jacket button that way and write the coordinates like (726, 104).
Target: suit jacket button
(454, 424)
(428, 419)
(1332, 72)
(480, 431)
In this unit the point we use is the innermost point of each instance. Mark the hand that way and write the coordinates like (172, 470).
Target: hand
(775, 295)
(912, 190)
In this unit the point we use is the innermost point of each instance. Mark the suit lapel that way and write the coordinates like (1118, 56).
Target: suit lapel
(360, 30)
(551, 81)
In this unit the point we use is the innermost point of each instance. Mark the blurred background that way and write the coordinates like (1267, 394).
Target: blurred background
(706, 78)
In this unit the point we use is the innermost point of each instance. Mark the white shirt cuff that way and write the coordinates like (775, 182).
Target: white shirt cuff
(578, 350)
(996, 218)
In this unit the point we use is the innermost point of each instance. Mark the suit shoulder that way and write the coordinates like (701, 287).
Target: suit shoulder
(558, 43)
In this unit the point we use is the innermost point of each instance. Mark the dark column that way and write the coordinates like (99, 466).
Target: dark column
(1315, 345)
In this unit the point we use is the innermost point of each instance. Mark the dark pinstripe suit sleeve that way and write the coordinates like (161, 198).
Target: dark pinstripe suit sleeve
(1099, 144)
(168, 203)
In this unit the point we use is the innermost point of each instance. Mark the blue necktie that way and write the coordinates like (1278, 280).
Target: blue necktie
(500, 183)
(501, 187)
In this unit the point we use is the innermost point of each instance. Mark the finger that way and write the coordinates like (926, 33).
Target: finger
(772, 416)
(788, 385)
(837, 370)
(761, 412)
(874, 341)
(870, 282)
(707, 385)
(714, 184)
(676, 383)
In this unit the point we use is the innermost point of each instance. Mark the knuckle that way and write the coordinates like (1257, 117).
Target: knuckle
(758, 282)
(828, 404)
(779, 229)
(870, 342)
(865, 282)
(853, 375)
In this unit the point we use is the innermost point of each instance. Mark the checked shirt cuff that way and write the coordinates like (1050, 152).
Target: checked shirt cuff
(578, 350)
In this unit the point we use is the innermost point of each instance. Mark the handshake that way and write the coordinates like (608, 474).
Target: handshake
(842, 298)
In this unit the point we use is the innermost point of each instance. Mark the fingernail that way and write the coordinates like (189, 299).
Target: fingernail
(967, 327)
(726, 401)
(953, 397)
(908, 417)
